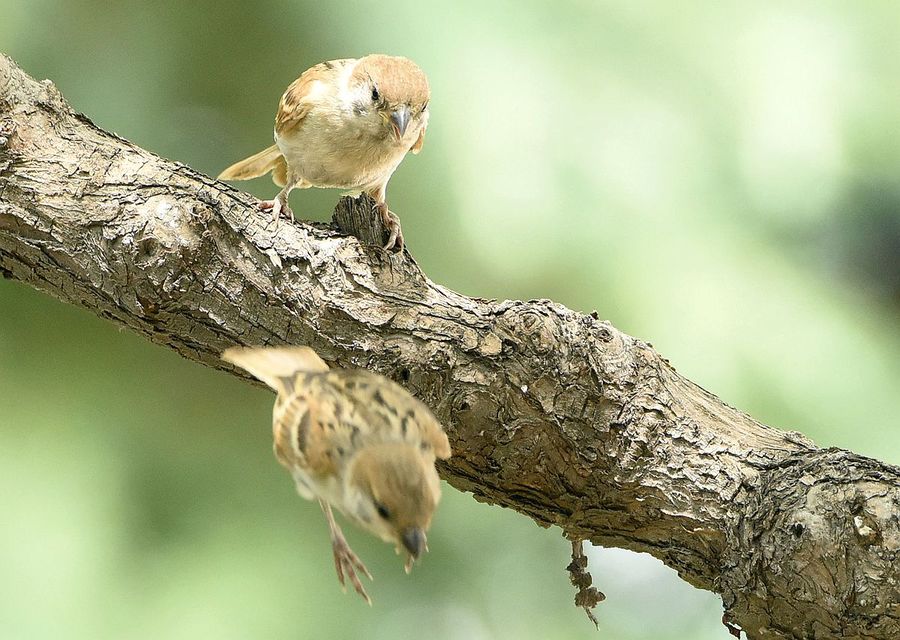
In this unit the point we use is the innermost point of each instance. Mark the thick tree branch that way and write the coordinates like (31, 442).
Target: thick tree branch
(550, 412)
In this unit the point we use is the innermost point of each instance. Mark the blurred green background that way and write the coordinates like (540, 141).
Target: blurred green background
(719, 178)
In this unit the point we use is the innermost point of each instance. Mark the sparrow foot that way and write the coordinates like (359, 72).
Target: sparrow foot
(392, 222)
(277, 207)
(346, 562)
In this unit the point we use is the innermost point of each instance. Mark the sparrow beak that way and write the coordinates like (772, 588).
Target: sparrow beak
(400, 120)
(414, 541)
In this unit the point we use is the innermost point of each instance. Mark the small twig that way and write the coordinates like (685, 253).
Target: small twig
(587, 597)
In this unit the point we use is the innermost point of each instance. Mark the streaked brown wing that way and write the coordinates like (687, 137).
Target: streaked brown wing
(321, 419)
(314, 427)
(296, 101)
(388, 407)
(290, 422)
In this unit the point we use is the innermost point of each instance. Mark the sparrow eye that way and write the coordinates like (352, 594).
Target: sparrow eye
(425, 106)
(382, 511)
(375, 95)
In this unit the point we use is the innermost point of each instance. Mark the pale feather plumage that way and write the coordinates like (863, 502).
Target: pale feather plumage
(346, 124)
(354, 440)
(272, 366)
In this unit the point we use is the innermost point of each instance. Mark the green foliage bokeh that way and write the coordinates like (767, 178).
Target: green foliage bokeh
(717, 178)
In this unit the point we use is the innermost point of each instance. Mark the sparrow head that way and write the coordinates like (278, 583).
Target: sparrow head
(393, 92)
(394, 489)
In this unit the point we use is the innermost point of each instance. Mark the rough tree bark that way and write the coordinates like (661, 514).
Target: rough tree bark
(550, 412)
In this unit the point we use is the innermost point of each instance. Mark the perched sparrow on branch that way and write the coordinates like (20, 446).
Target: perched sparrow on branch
(354, 440)
(345, 124)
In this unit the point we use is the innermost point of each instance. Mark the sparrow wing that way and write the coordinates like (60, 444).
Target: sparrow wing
(385, 405)
(300, 96)
(432, 431)
(276, 366)
(305, 425)
(290, 423)
(316, 428)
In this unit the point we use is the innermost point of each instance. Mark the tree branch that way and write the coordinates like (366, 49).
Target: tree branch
(550, 412)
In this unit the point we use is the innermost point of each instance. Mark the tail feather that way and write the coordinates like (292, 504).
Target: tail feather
(272, 364)
(257, 165)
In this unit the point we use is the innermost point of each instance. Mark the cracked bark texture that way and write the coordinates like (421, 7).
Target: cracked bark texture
(550, 412)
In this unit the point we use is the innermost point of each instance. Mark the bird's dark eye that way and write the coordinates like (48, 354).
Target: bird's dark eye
(375, 95)
(382, 511)
(425, 106)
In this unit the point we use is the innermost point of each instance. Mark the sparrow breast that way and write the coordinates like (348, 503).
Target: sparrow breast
(351, 136)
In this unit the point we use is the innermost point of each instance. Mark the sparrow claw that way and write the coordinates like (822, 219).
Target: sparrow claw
(392, 222)
(277, 207)
(347, 563)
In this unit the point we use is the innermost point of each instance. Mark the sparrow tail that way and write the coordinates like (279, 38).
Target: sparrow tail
(273, 364)
(258, 165)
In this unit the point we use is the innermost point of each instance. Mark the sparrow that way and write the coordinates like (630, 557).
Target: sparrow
(356, 442)
(346, 124)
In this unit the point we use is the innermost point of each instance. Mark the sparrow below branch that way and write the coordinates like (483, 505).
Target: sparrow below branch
(346, 124)
(356, 441)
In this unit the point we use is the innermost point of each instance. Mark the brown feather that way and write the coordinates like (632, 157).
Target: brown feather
(275, 365)
(288, 413)
(280, 172)
(256, 165)
(391, 413)
(324, 445)
(353, 440)
(295, 104)
(398, 476)
(337, 127)
(399, 80)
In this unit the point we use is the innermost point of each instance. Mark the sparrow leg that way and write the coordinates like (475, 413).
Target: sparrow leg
(345, 561)
(392, 222)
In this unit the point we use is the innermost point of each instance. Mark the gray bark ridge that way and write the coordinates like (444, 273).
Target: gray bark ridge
(550, 412)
